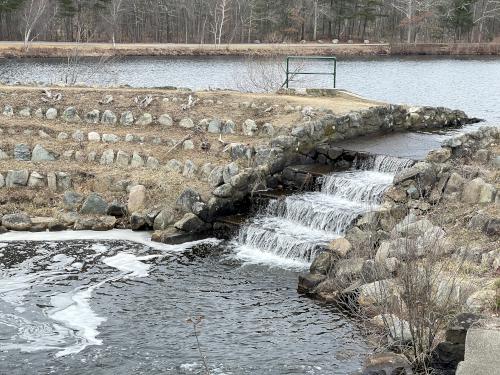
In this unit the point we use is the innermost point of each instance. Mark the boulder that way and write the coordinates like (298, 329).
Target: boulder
(164, 220)
(190, 169)
(268, 129)
(340, 247)
(152, 163)
(377, 292)
(398, 330)
(63, 181)
(100, 223)
(94, 137)
(137, 198)
(229, 127)
(17, 178)
(216, 177)
(144, 120)
(165, 120)
(110, 138)
(92, 117)
(308, 282)
(122, 159)
(205, 171)
(439, 156)
(137, 160)
(387, 363)
(51, 114)
(191, 223)
(17, 222)
(127, 118)
(108, 117)
(478, 191)
(347, 271)
(94, 205)
(249, 128)
(108, 157)
(322, 264)
(186, 123)
(214, 126)
(492, 227)
(117, 209)
(72, 200)
(230, 171)
(22, 152)
(36, 180)
(25, 112)
(70, 114)
(187, 200)
(40, 154)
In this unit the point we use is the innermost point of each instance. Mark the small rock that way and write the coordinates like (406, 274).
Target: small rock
(190, 169)
(78, 136)
(137, 221)
(214, 126)
(186, 123)
(25, 112)
(191, 223)
(268, 129)
(175, 166)
(110, 138)
(108, 157)
(122, 159)
(22, 152)
(137, 161)
(188, 145)
(8, 111)
(165, 120)
(62, 136)
(229, 127)
(36, 180)
(92, 117)
(216, 177)
(144, 120)
(152, 163)
(39, 113)
(163, 220)
(70, 114)
(108, 117)
(249, 128)
(51, 114)
(127, 118)
(40, 154)
(94, 137)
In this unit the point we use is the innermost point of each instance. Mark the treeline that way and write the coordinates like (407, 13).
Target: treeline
(248, 21)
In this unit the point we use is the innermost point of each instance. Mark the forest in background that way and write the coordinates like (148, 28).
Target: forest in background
(250, 21)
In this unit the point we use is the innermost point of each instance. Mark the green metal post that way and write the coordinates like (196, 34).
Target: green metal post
(287, 70)
(335, 73)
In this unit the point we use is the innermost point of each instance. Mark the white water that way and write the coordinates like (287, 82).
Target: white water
(294, 229)
(69, 324)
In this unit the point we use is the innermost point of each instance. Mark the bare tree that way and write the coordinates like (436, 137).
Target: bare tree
(219, 12)
(411, 9)
(115, 8)
(33, 11)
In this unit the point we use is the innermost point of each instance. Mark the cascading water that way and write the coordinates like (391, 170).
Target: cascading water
(294, 229)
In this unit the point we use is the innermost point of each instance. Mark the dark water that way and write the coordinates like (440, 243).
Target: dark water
(470, 84)
(110, 307)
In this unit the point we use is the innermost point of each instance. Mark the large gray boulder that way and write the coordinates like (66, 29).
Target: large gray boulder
(40, 154)
(192, 224)
(94, 205)
(144, 119)
(72, 200)
(18, 222)
(127, 118)
(214, 126)
(250, 128)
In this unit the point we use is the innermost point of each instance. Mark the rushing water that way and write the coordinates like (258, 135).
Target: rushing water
(111, 307)
(297, 227)
(470, 84)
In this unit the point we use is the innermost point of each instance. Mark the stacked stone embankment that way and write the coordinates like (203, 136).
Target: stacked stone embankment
(220, 146)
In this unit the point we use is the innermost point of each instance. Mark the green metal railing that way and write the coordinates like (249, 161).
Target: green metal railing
(320, 58)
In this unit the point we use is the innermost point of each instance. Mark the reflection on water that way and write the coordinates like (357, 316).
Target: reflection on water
(109, 307)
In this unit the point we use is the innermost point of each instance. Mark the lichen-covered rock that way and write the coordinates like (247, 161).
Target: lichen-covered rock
(110, 138)
(175, 166)
(137, 198)
(137, 160)
(165, 120)
(72, 200)
(268, 129)
(439, 156)
(70, 114)
(17, 178)
(92, 117)
(40, 154)
(214, 126)
(8, 111)
(229, 127)
(25, 112)
(122, 159)
(187, 200)
(216, 177)
(108, 117)
(152, 163)
(230, 170)
(250, 128)
(108, 157)
(51, 114)
(127, 118)
(190, 169)
(22, 152)
(144, 119)
(186, 123)
(94, 137)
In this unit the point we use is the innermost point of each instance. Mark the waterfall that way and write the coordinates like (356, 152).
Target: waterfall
(299, 226)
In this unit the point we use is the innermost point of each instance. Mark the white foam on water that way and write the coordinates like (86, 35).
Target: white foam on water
(143, 238)
(74, 312)
(130, 264)
(252, 255)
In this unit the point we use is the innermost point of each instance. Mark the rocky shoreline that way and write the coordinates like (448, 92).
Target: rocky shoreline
(369, 267)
